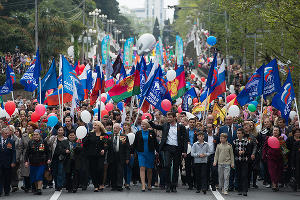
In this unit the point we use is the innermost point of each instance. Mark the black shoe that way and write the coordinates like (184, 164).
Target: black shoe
(168, 190)
(57, 189)
(230, 189)
(50, 186)
(14, 189)
(120, 189)
(239, 193)
(245, 194)
(255, 186)
(113, 189)
(96, 190)
(127, 187)
(38, 192)
(6, 194)
(204, 191)
(44, 187)
(197, 191)
(190, 188)
(143, 190)
(174, 189)
(84, 188)
(213, 188)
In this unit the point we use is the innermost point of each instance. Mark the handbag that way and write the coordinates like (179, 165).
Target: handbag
(47, 174)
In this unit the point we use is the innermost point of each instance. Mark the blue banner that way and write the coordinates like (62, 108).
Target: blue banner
(179, 50)
(105, 48)
(271, 78)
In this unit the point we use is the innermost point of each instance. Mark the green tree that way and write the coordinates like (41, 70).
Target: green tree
(156, 31)
(76, 30)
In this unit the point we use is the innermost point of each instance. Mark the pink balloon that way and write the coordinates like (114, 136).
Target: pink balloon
(230, 97)
(103, 99)
(179, 109)
(51, 114)
(35, 117)
(273, 142)
(145, 115)
(40, 109)
(109, 107)
(166, 105)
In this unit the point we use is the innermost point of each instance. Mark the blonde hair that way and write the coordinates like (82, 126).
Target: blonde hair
(146, 122)
(102, 128)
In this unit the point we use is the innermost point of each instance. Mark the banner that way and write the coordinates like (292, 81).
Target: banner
(159, 51)
(105, 49)
(128, 52)
(179, 50)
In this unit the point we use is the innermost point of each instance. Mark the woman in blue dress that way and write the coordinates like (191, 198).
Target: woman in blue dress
(145, 144)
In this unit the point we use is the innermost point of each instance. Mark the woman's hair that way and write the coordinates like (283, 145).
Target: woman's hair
(296, 130)
(34, 125)
(102, 128)
(146, 122)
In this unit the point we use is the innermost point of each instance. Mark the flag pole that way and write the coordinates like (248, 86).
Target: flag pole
(40, 82)
(205, 113)
(131, 105)
(297, 111)
(139, 109)
(261, 110)
(99, 107)
(12, 95)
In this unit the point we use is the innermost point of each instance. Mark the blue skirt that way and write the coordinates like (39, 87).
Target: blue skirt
(146, 159)
(37, 173)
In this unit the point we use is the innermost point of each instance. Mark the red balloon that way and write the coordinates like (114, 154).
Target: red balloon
(230, 97)
(103, 113)
(179, 109)
(145, 115)
(81, 68)
(109, 106)
(10, 107)
(202, 79)
(273, 142)
(195, 100)
(40, 109)
(35, 117)
(192, 76)
(103, 99)
(166, 105)
(51, 114)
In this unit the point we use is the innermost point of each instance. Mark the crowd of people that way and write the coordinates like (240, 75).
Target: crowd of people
(229, 156)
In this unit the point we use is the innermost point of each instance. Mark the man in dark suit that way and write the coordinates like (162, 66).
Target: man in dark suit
(119, 155)
(173, 144)
(230, 129)
(7, 160)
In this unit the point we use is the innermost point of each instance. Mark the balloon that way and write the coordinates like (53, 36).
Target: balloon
(81, 132)
(85, 116)
(35, 117)
(193, 76)
(292, 114)
(231, 89)
(273, 142)
(131, 137)
(234, 111)
(251, 107)
(188, 85)
(145, 115)
(171, 75)
(195, 100)
(95, 111)
(230, 97)
(166, 105)
(81, 68)
(52, 121)
(254, 103)
(202, 79)
(211, 40)
(103, 113)
(10, 107)
(103, 99)
(40, 109)
(109, 107)
(145, 44)
(51, 114)
(179, 109)
(120, 106)
(189, 149)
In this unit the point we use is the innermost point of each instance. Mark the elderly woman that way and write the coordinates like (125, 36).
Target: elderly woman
(37, 156)
(95, 147)
(145, 144)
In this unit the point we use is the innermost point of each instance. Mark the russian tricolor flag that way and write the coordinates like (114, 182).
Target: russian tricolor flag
(86, 80)
(220, 87)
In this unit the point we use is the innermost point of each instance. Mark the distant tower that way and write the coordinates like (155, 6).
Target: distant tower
(155, 8)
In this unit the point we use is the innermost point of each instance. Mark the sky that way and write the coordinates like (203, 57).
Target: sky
(140, 4)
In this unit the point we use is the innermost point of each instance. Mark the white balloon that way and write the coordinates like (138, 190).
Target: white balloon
(145, 44)
(231, 89)
(81, 132)
(178, 101)
(234, 111)
(171, 75)
(189, 149)
(293, 114)
(131, 137)
(190, 101)
(86, 116)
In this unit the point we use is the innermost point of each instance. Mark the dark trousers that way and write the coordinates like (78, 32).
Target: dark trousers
(212, 171)
(117, 172)
(189, 170)
(72, 178)
(201, 176)
(231, 178)
(252, 173)
(26, 181)
(242, 176)
(172, 158)
(267, 178)
(96, 166)
(14, 175)
(5, 178)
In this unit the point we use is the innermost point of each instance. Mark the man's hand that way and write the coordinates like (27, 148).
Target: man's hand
(12, 164)
(67, 151)
(232, 166)
(202, 155)
(48, 162)
(26, 164)
(215, 164)
(241, 152)
(102, 152)
(127, 161)
(252, 156)
(184, 155)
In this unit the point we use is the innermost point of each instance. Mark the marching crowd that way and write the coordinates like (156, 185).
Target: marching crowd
(230, 155)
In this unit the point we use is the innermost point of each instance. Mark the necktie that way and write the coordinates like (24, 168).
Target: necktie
(115, 143)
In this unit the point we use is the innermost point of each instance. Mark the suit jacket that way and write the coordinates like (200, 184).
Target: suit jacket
(138, 143)
(195, 135)
(216, 140)
(7, 153)
(123, 153)
(182, 138)
(93, 145)
(231, 137)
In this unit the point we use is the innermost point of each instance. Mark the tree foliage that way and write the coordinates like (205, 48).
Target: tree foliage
(156, 31)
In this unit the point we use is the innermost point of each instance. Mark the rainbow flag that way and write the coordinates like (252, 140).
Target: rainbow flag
(128, 87)
(177, 86)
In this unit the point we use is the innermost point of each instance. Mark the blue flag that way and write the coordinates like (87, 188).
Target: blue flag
(212, 74)
(49, 81)
(283, 99)
(10, 79)
(158, 91)
(30, 79)
(271, 78)
(122, 73)
(191, 93)
(253, 88)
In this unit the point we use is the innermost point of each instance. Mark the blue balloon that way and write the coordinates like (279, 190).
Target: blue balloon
(52, 121)
(211, 40)
(120, 105)
(254, 103)
(46, 106)
(95, 111)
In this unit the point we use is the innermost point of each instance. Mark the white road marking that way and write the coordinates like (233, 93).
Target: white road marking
(56, 195)
(217, 194)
